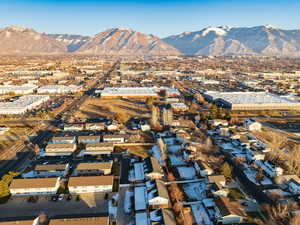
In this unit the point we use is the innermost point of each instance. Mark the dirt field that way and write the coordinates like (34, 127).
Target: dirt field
(121, 109)
(141, 151)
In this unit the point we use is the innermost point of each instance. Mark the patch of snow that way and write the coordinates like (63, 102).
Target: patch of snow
(217, 30)
(195, 191)
(177, 160)
(127, 201)
(200, 215)
(186, 172)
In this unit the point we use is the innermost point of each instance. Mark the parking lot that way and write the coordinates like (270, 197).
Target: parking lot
(89, 204)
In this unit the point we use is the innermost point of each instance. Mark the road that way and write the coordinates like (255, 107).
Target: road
(9, 159)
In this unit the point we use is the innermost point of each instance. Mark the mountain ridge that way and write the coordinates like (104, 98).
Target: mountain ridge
(264, 40)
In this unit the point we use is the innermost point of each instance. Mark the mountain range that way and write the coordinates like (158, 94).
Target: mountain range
(211, 41)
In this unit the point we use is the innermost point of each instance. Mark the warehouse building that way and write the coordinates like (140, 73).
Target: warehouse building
(251, 101)
(133, 92)
(58, 89)
(18, 90)
(23, 104)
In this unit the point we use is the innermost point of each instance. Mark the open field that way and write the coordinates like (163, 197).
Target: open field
(141, 151)
(10, 137)
(122, 109)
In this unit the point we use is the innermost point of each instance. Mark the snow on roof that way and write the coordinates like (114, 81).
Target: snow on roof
(142, 219)
(129, 91)
(200, 214)
(140, 198)
(249, 97)
(139, 171)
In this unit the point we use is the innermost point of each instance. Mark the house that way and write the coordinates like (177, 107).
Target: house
(60, 149)
(53, 170)
(203, 169)
(90, 184)
(139, 173)
(95, 126)
(116, 138)
(88, 139)
(140, 198)
(158, 197)
(35, 186)
(218, 122)
(73, 127)
(153, 168)
(270, 169)
(112, 127)
(142, 218)
(218, 179)
(168, 217)
(81, 221)
(99, 148)
(294, 185)
(96, 168)
(63, 140)
(252, 125)
(231, 212)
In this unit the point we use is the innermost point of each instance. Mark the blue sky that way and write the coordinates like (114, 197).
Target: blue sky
(162, 18)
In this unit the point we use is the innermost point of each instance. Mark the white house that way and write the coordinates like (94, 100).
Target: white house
(252, 125)
(35, 186)
(158, 197)
(98, 148)
(63, 140)
(117, 138)
(90, 184)
(231, 212)
(88, 139)
(59, 149)
(54, 170)
(96, 168)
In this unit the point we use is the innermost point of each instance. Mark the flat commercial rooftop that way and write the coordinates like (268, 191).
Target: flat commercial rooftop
(249, 97)
(128, 91)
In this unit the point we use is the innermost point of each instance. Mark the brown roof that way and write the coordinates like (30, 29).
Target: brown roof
(82, 138)
(115, 136)
(91, 181)
(20, 222)
(229, 207)
(63, 138)
(33, 183)
(94, 166)
(58, 147)
(168, 217)
(161, 189)
(216, 178)
(81, 221)
(52, 167)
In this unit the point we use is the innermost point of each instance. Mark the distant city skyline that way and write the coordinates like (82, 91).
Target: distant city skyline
(161, 18)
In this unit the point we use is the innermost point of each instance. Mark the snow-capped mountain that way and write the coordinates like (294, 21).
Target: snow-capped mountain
(23, 40)
(260, 40)
(124, 41)
(71, 41)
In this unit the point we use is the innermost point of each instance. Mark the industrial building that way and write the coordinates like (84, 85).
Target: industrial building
(23, 104)
(58, 89)
(134, 92)
(19, 90)
(251, 101)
